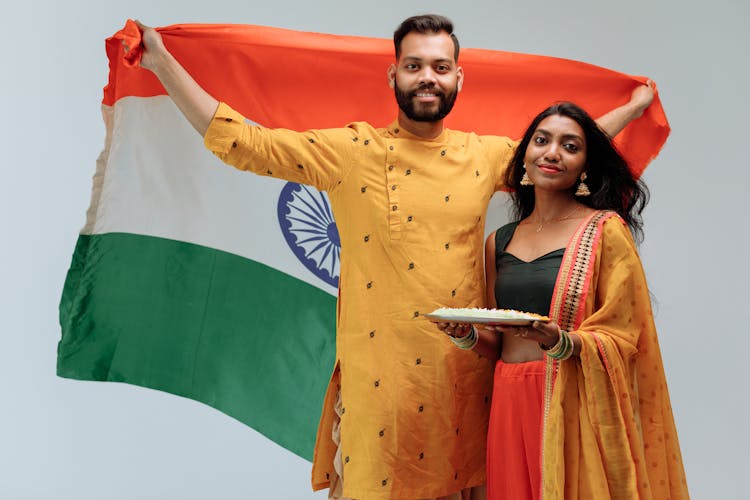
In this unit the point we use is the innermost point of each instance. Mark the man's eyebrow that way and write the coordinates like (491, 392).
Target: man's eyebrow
(419, 59)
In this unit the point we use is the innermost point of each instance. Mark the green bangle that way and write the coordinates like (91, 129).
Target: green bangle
(467, 342)
(563, 349)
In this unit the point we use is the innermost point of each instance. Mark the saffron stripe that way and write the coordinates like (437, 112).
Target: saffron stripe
(503, 89)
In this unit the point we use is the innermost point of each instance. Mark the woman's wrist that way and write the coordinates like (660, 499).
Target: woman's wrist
(468, 341)
(562, 349)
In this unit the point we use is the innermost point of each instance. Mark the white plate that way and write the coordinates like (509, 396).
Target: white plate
(480, 319)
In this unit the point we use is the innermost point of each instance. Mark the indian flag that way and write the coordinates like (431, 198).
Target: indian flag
(203, 281)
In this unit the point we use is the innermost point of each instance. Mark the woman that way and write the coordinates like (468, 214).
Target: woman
(580, 407)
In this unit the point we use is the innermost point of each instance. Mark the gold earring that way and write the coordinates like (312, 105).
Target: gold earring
(525, 180)
(583, 189)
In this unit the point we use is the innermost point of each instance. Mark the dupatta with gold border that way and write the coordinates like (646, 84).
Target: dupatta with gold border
(608, 430)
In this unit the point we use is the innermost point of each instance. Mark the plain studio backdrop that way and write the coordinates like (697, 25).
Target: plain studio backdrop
(65, 439)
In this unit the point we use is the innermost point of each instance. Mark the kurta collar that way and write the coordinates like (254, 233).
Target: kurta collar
(396, 131)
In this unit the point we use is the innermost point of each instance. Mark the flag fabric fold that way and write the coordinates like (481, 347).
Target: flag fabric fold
(213, 284)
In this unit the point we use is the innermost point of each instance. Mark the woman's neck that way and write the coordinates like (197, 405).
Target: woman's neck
(553, 205)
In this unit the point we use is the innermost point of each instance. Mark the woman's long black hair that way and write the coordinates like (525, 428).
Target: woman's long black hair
(613, 186)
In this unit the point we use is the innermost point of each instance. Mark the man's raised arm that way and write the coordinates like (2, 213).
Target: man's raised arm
(194, 102)
(614, 121)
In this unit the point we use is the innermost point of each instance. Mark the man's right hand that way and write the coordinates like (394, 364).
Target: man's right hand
(194, 102)
(153, 46)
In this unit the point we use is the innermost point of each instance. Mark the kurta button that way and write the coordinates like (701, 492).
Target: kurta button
(410, 218)
(411, 265)
(367, 141)
(377, 383)
(394, 208)
(369, 284)
(453, 293)
(367, 238)
(384, 482)
(447, 197)
(477, 173)
(447, 246)
(355, 139)
(390, 167)
(228, 119)
(328, 476)
(393, 188)
(234, 144)
(416, 313)
(390, 147)
(346, 460)
(372, 334)
(300, 166)
(419, 361)
(408, 171)
(421, 456)
(381, 433)
(363, 189)
(421, 408)
(311, 141)
(269, 172)
(395, 130)
(442, 153)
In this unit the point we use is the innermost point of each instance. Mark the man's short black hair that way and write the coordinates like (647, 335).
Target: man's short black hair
(426, 23)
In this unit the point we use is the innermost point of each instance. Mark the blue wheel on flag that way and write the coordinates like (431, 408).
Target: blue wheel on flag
(308, 227)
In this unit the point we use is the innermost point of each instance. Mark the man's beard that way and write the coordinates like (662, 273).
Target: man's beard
(406, 102)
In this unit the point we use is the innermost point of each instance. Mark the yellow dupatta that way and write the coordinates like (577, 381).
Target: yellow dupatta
(608, 431)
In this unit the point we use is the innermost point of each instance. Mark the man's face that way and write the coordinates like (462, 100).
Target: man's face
(426, 78)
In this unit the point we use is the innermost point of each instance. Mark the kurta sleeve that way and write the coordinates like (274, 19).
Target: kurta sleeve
(320, 158)
(499, 152)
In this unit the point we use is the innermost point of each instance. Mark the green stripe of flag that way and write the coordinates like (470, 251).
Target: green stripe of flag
(192, 321)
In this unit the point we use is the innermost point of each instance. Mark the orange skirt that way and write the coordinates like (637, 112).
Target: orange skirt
(515, 432)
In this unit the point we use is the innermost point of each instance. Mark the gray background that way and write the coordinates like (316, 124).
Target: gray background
(64, 439)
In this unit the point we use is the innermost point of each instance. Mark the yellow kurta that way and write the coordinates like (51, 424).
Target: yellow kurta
(609, 431)
(410, 215)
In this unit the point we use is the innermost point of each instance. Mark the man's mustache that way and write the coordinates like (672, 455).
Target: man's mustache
(428, 87)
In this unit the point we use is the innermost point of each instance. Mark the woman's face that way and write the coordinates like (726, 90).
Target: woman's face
(556, 154)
